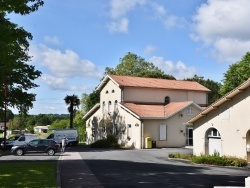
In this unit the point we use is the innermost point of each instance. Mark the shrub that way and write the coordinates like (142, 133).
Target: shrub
(110, 141)
(214, 159)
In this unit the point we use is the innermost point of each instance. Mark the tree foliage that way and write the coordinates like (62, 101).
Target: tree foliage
(133, 65)
(60, 124)
(237, 73)
(72, 101)
(16, 76)
(210, 84)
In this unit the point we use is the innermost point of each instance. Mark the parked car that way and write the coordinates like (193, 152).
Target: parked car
(9, 142)
(37, 146)
(19, 140)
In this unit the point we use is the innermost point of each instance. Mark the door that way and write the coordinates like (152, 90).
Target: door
(32, 146)
(42, 145)
(214, 146)
(189, 136)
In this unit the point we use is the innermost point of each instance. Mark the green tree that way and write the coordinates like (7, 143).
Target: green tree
(9, 115)
(21, 6)
(237, 73)
(16, 76)
(80, 125)
(60, 124)
(210, 84)
(72, 101)
(17, 123)
(133, 65)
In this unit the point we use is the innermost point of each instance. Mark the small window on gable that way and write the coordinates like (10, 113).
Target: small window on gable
(113, 91)
(190, 111)
(167, 100)
(107, 91)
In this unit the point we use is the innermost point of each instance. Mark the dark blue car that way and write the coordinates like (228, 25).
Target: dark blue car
(37, 146)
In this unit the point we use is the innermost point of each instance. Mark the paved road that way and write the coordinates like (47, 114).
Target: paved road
(151, 168)
(147, 168)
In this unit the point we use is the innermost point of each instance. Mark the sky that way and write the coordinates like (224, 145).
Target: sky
(74, 41)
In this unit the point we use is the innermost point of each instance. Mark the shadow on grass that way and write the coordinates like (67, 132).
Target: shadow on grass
(28, 174)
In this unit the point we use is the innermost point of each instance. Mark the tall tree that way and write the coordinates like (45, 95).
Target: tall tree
(72, 101)
(210, 84)
(16, 76)
(236, 74)
(133, 65)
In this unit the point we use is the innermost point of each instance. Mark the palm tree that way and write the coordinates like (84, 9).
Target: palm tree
(72, 101)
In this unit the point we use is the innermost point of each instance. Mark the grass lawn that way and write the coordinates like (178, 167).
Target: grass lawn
(28, 174)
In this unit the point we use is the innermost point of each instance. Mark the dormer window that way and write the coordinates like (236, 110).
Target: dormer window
(167, 100)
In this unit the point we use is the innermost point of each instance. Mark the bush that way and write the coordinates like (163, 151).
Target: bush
(110, 141)
(214, 159)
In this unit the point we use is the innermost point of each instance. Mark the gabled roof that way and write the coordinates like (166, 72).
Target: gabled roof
(220, 101)
(149, 111)
(93, 110)
(130, 81)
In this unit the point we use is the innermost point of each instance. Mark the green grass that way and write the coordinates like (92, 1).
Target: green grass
(28, 174)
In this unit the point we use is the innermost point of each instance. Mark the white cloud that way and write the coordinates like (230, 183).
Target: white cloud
(149, 49)
(178, 70)
(120, 25)
(64, 65)
(119, 13)
(224, 26)
(121, 8)
(52, 40)
(63, 84)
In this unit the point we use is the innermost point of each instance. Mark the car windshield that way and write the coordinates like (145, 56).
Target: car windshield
(13, 138)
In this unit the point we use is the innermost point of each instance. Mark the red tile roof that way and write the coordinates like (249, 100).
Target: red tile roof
(154, 111)
(131, 81)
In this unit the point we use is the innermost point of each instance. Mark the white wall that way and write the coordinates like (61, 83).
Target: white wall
(232, 120)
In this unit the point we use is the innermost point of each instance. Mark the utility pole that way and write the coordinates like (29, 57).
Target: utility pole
(5, 114)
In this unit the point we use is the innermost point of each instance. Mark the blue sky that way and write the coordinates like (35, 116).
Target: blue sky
(73, 41)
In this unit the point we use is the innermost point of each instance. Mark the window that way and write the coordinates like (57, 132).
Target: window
(113, 91)
(109, 106)
(214, 133)
(129, 130)
(107, 91)
(116, 105)
(163, 132)
(167, 100)
(190, 111)
(103, 107)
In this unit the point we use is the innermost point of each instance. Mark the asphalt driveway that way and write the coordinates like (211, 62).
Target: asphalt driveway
(151, 168)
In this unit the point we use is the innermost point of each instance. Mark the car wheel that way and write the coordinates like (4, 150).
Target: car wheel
(19, 152)
(51, 152)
